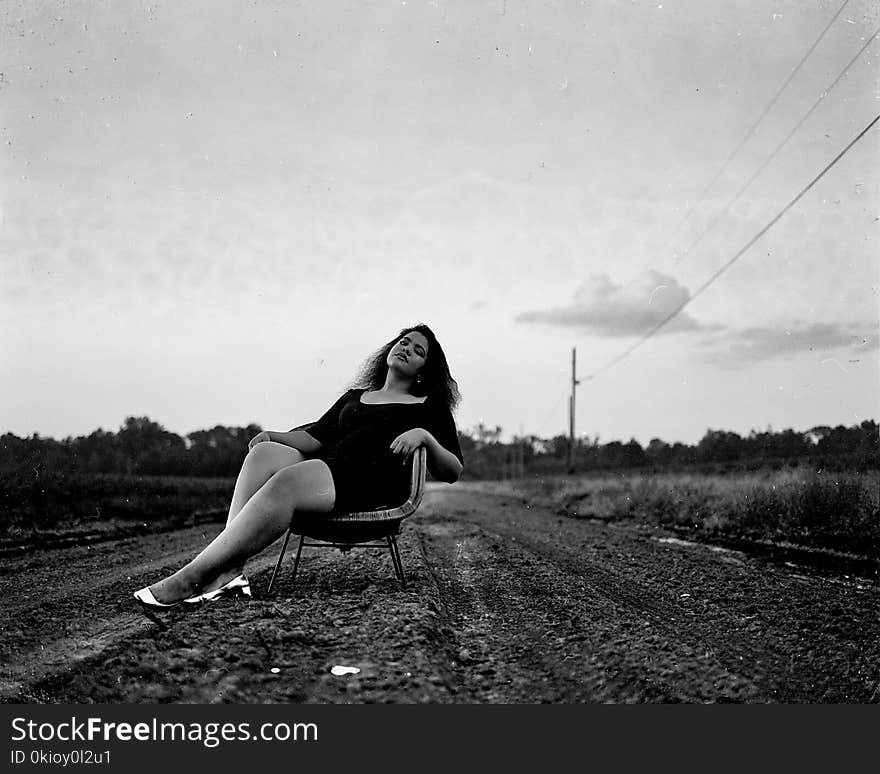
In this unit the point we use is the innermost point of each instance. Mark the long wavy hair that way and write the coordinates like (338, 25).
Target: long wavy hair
(435, 379)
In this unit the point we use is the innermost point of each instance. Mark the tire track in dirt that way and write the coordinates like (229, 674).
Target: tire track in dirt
(549, 635)
(343, 610)
(505, 602)
(766, 626)
(90, 609)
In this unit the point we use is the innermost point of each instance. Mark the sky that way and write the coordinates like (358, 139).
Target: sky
(213, 212)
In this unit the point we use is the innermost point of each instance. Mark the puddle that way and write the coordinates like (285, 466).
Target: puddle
(853, 581)
(675, 541)
(728, 555)
(690, 544)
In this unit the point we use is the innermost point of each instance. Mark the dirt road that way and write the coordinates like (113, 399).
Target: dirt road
(507, 601)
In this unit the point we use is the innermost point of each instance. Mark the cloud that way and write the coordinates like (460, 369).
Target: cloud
(611, 310)
(763, 342)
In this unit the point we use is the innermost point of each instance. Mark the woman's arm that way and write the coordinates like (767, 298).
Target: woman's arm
(296, 439)
(442, 463)
(315, 437)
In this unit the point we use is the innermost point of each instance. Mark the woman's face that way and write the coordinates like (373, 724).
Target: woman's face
(409, 354)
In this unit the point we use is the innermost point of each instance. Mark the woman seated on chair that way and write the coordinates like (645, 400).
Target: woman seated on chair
(353, 458)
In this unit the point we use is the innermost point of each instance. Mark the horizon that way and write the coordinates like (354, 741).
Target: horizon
(505, 437)
(212, 214)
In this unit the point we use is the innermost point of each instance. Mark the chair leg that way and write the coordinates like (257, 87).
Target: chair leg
(396, 560)
(393, 557)
(278, 563)
(302, 539)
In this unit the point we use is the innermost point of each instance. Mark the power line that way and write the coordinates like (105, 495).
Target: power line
(754, 126)
(733, 200)
(739, 193)
(738, 255)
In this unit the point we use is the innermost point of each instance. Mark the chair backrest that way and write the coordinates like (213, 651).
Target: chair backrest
(416, 491)
(419, 473)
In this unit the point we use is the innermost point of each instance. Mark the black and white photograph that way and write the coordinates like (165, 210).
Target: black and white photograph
(439, 352)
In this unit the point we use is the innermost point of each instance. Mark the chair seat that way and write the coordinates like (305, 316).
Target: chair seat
(317, 528)
(348, 530)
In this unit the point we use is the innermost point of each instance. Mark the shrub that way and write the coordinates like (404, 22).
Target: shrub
(834, 510)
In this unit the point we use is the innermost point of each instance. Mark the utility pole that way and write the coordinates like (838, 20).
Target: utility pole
(574, 383)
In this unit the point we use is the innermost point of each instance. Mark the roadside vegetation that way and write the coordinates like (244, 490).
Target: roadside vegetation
(839, 511)
(38, 509)
(816, 488)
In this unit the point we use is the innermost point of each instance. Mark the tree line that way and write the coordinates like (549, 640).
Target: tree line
(140, 447)
(143, 447)
(833, 448)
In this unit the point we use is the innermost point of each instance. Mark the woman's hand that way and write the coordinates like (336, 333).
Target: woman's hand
(258, 438)
(406, 443)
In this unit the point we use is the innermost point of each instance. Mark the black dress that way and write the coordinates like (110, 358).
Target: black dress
(355, 440)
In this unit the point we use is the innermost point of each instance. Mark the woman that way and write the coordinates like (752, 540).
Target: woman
(357, 455)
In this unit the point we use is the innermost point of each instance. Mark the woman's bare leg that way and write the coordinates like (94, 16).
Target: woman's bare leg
(260, 464)
(305, 486)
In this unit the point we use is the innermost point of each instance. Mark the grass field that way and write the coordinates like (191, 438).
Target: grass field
(57, 503)
(829, 510)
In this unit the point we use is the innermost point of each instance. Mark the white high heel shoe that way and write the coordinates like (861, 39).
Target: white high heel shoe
(150, 605)
(147, 600)
(238, 585)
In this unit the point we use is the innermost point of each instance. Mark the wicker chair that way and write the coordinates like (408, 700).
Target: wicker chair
(364, 529)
